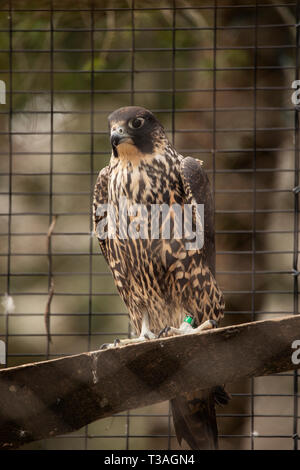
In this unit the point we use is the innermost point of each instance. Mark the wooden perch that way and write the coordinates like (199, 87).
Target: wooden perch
(59, 396)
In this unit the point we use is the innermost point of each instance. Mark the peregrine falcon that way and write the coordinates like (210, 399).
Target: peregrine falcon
(167, 287)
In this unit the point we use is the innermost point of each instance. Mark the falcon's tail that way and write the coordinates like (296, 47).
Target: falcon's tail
(194, 417)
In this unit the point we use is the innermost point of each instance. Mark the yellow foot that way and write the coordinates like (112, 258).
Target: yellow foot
(123, 342)
(187, 329)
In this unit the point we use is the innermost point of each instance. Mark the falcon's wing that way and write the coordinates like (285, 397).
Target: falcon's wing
(194, 415)
(197, 189)
(101, 197)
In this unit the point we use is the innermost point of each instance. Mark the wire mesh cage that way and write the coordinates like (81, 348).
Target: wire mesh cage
(219, 76)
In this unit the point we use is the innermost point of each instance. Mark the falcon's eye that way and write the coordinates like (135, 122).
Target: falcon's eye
(136, 123)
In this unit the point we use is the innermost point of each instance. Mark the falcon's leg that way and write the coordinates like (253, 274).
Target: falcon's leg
(187, 329)
(146, 334)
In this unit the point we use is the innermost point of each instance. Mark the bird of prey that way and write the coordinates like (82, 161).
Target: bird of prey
(166, 287)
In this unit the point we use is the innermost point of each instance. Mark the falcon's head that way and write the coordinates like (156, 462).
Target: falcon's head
(135, 132)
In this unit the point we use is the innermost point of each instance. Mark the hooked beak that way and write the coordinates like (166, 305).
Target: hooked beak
(116, 138)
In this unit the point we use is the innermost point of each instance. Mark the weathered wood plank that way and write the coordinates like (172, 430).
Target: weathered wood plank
(59, 396)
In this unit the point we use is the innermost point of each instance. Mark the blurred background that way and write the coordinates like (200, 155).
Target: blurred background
(218, 75)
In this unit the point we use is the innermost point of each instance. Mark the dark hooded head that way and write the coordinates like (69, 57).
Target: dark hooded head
(135, 129)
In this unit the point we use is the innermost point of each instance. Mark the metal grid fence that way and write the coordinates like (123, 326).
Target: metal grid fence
(218, 74)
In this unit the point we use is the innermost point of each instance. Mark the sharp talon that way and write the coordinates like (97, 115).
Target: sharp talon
(163, 331)
(109, 345)
(214, 323)
(146, 336)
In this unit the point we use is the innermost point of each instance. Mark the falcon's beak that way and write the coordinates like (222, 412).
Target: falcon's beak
(118, 136)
